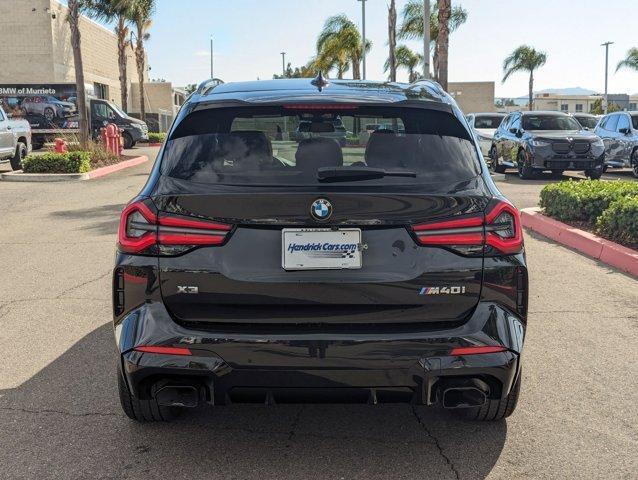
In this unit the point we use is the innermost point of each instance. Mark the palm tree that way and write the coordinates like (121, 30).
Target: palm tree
(392, 40)
(120, 12)
(524, 59)
(141, 14)
(406, 58)
(339, 45)
(412, 24)
(443, 40)
(630, 61)
(75, 7)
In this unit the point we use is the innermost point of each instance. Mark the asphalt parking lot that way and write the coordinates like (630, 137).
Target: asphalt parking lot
(60, 417)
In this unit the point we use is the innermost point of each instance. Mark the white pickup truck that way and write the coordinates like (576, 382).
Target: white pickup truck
(15, 140)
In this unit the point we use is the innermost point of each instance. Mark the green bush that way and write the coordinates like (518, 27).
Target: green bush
(154, 137)
(619, 222)
(71, 162)
(584, 200)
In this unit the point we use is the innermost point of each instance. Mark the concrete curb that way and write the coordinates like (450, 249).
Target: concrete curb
(606, 251)
(100, 172)
(18, 176)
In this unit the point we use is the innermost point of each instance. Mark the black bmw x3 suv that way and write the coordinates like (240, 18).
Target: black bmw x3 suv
(252, 268)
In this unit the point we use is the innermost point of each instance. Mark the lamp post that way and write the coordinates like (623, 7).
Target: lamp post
(211, 57)
(606, 45)
(426, 38)
(283, 63)
(363, 36)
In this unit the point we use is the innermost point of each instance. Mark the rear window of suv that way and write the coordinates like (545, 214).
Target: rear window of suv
(280, 146)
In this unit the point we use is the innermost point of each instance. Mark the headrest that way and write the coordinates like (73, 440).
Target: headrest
(257, 141)
(385, 149)
(248, 149)
(314, 153)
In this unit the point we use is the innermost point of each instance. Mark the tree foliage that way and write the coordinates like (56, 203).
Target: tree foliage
(339, 46)
(524, 59)
(406, 58)
(630, 61)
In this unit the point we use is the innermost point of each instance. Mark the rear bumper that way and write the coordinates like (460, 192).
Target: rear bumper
(414, 359)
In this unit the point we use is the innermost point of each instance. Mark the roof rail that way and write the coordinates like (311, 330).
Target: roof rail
(207, 85)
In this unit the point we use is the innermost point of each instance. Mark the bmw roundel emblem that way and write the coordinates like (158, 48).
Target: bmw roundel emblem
(321, 209)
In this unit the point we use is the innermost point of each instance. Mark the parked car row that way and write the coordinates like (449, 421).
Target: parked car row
(619, 132)
(537, 141)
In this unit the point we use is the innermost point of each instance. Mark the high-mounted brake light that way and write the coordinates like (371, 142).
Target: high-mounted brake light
(141, 231)
(477, 349)
(163, 350)
(500, 229)
(320, 106)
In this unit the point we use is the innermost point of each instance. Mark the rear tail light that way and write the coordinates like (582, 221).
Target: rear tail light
(460, 231)
(503, 228)
(142, 231)
(498, 232)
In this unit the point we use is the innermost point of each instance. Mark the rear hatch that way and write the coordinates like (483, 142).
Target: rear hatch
(264, 195)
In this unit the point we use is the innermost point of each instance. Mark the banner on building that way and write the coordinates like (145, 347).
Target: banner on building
(48, 107)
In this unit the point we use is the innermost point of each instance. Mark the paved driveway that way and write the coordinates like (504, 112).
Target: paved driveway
(60, 418)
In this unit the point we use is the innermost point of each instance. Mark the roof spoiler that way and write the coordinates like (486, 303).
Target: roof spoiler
(207, 85)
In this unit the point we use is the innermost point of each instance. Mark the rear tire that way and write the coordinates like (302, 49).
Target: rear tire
(20, 154)
(143, 410)
(494, 410)
(525, 171)
(494, 161)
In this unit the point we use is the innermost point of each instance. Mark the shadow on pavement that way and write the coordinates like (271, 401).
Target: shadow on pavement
(103, 219)
(65, 422)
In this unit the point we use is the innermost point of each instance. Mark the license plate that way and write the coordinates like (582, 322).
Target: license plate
(320, 248)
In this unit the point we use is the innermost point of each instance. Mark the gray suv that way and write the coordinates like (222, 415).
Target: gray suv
(619, 132)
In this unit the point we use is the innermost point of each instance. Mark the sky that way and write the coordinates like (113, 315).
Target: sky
(250, 34)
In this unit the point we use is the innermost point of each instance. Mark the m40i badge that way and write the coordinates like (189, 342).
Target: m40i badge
(455, 290)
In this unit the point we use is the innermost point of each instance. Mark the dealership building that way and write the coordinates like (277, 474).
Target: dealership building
(36, 49)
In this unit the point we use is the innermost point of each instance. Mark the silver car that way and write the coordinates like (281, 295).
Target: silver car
(619, 132)
(484, 125)
(49, 107)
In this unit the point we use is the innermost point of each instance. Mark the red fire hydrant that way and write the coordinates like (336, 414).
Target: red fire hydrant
(60, 145)
(112, 133)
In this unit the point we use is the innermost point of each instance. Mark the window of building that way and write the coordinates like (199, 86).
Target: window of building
(579, 107)
(101, 91)
(632, 106)
(564, 107)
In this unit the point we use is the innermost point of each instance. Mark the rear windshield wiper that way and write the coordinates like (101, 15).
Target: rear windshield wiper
(344, 174)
